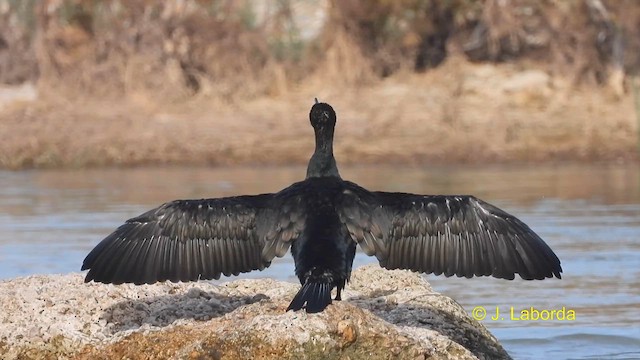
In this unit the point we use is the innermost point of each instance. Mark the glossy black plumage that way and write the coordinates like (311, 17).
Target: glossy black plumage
(321, 219)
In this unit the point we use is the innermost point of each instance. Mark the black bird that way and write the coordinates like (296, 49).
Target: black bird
(321, 218)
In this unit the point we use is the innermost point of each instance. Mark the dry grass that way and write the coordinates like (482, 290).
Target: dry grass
(460, 112)
(206, 82)
(237, 50)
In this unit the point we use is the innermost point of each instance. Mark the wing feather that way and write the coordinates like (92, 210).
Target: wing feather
(187, 240)
(450, 235)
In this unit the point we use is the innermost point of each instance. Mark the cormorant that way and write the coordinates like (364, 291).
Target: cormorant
(321, 219)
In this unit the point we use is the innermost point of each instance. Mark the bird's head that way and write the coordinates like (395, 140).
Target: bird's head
(322, 115)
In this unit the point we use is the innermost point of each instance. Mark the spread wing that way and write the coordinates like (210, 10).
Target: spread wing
(448, 235)
(187, 240)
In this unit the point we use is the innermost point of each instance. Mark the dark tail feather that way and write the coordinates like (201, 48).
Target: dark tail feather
(316, 296)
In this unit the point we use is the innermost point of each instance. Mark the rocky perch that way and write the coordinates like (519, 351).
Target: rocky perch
(385, 315)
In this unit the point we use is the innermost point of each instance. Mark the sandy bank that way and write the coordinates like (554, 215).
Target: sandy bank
(457, 113)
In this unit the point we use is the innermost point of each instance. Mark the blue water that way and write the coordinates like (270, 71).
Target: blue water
(589, 215)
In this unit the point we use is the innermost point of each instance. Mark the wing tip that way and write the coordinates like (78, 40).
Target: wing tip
(555, 272)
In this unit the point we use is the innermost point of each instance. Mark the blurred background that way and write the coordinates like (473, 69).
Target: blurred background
(110, 108)
(229, 82)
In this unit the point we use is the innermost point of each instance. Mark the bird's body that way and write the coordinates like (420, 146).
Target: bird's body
(321, 219)
(324, 252)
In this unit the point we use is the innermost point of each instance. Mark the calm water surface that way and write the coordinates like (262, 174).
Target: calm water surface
(589, 215)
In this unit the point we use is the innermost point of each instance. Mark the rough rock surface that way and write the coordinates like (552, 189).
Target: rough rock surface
(385, 315)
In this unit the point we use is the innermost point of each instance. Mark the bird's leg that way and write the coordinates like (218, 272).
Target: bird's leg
(340, 285)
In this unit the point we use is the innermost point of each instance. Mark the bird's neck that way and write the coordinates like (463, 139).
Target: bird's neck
(322, 162)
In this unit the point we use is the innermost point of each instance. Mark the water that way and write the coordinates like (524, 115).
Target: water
(589, 215)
